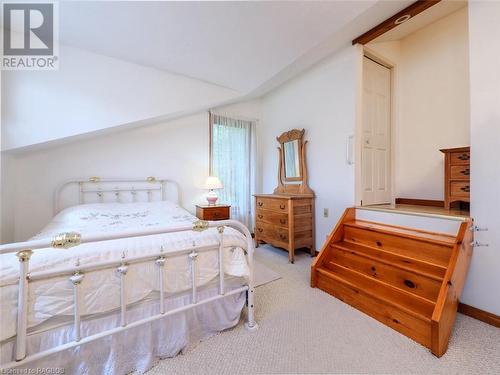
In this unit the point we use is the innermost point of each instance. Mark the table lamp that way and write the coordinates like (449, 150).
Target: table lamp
(212, 183)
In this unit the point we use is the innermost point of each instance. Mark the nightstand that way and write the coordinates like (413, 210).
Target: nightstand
(217, 212)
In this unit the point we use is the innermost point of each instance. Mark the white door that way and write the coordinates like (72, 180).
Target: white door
(376, 138)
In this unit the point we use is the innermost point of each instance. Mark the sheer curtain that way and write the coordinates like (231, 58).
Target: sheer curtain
(232, 145)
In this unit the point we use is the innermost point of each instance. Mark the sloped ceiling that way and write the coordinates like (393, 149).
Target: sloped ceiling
(238, 45)
(225, 51)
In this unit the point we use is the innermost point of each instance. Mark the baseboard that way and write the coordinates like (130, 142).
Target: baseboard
(479, 314)
(420, 202)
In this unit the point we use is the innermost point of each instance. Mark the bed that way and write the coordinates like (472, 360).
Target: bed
(126, 270)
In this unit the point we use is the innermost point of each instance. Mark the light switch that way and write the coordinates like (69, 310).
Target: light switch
(325, 212)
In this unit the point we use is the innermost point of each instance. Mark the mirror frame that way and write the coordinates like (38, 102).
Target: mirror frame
(292, 185)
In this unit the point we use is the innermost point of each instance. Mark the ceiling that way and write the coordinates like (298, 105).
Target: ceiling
(430, 15)
(238, 45)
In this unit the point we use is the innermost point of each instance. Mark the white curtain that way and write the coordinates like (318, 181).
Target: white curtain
(232, 154)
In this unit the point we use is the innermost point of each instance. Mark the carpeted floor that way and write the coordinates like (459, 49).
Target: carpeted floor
(263, 274)
(304, 330)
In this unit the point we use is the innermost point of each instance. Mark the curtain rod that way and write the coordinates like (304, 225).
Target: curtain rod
(234, 117)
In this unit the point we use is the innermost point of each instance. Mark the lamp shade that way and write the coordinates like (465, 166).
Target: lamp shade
(213, 183)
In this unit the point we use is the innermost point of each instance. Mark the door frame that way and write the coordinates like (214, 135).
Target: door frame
(362, 52)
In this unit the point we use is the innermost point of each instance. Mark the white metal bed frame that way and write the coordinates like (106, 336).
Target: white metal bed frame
(118, 188)
(76, 274)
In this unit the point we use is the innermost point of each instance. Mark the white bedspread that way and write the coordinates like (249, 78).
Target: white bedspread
(100, 289)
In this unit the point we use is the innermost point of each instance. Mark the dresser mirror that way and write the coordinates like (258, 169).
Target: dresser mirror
(291, 160)
(292, 170)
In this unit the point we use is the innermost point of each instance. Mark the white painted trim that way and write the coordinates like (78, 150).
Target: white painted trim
(358, 127)
(364, 50)
(394, 108)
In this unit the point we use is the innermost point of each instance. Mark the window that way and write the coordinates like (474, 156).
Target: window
(231, 159)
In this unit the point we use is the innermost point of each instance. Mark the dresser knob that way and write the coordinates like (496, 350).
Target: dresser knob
(282, 206)
(259, 229)
(282, 221)
(464, 157)
(260, 204)
(466, 172)
(260, 216)
(283, 237)
(465, 188)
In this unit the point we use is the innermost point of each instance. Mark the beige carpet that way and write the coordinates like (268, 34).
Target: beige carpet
(304, 330)
(263, 274)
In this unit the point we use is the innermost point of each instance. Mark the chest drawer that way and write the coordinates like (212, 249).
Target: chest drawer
(212, 213)
(272, 232)
(460, 158)
(460, 189)
(273, 204)
(460, 172)
(272, 217)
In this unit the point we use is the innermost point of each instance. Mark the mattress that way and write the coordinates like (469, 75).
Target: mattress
(100, 290)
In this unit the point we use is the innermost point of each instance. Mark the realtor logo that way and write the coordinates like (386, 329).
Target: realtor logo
(29, 36)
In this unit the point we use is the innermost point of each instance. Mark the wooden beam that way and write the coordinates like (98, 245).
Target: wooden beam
(400, 17)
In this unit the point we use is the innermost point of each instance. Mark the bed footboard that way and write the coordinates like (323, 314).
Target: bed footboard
(77, 273)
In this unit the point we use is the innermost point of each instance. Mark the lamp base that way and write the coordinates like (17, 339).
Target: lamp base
(212, 198)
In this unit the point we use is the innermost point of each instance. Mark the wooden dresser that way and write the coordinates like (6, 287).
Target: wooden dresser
(285, 221)
(456, 175)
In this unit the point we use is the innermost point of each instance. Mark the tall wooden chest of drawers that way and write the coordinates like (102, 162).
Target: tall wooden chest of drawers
(456, 175)
(285, 221)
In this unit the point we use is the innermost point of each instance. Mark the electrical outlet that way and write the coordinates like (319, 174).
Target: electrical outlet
(325, 212)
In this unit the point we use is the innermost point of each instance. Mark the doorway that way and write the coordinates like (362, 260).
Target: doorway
(376, 133)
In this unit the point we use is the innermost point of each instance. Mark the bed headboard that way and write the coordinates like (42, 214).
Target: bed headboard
(100, 190)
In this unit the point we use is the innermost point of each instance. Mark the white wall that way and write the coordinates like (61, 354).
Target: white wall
(481, 288)
(7, 187)
(431, 102)
(322, 101)
(176, 150)
(92, 92)
(245, 110)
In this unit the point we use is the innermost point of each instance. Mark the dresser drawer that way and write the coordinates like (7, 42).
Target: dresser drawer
(271, 232)
(460, 172)
(460, 189)
(274, 204)
(460, 158)
(272, 217)
(216, 213)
